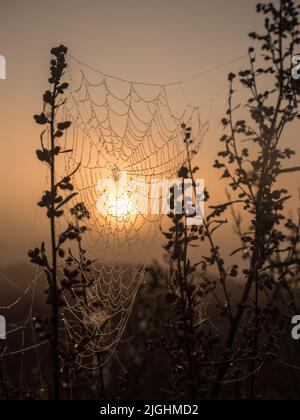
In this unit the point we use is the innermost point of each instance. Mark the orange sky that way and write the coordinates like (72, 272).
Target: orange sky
(150, 41)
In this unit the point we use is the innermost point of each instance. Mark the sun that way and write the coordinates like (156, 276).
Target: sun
(117, 199)
(121, 206)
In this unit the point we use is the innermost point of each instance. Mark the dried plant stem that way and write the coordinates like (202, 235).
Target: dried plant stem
(55, 304)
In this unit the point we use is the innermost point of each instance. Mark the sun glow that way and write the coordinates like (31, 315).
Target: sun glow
(121, 206)
(117, 198)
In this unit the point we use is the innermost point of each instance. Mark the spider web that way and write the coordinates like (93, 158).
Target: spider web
(141, 135)
(118, 126)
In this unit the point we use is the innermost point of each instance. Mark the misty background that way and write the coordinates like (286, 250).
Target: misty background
(148, 41)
